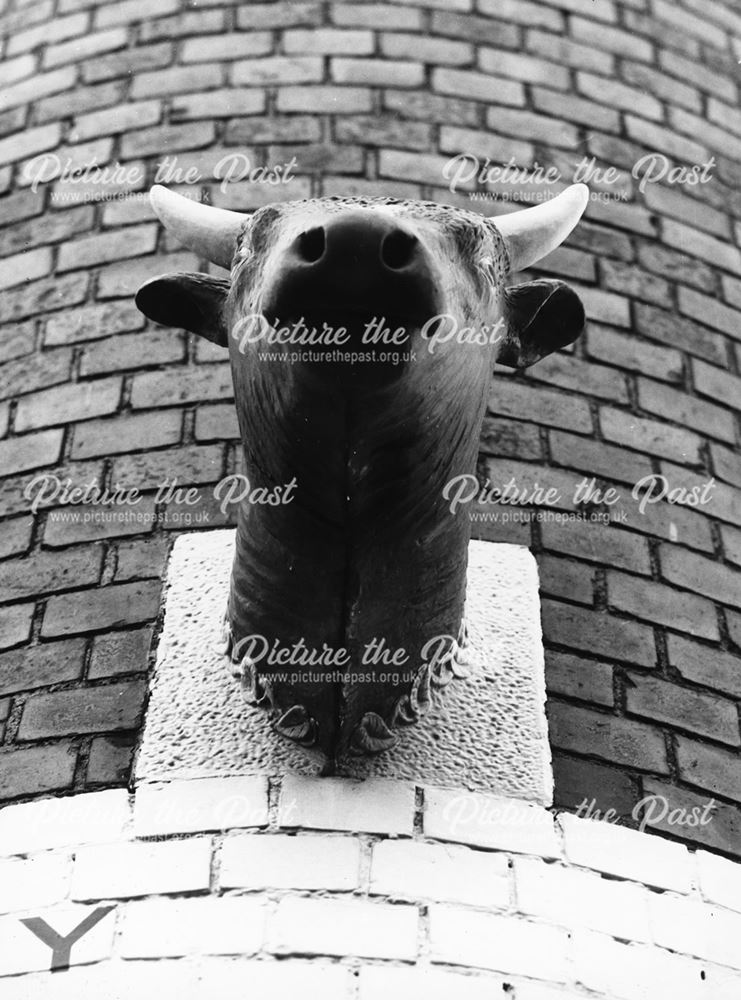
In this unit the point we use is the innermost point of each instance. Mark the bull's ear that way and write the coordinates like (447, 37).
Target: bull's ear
(193, 302)
(540, 317)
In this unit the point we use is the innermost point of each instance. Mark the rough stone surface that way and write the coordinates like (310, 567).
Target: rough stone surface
(488, 733)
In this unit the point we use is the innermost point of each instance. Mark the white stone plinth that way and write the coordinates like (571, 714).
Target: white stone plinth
(487, 733)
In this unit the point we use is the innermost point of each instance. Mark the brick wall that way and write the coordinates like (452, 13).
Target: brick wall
(642, 620)
(212, 886)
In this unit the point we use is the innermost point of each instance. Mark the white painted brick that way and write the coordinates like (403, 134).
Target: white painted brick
(720, 880)
(375, 805)
(96, 817)
(201, 804)
(694, 928)
(446, 873)
(383, 982)
(209, 925)
(34, 882)
(22, 951)
(187, 979)
(630, 854)
(500, 943)
(141, 869)
(487, 821)
(572, 897)
(344, 928)
(634, 972)
(283, 862)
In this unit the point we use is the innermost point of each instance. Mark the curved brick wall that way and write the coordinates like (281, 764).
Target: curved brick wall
(360, 893)
(642, 621)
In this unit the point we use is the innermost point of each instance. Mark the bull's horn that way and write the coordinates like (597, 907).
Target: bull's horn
(533, 232)
(211, 232)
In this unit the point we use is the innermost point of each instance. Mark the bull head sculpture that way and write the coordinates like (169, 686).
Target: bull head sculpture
(365, 569)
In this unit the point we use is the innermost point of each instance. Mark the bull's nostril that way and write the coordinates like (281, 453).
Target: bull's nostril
(311, 245)
(398, 249)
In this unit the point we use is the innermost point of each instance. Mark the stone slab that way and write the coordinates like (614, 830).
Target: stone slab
(487, 733)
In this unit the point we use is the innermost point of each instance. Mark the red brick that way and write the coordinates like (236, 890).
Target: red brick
(99, 521)
(566, 578)
(661, 85)
(717, 384)
(384, 130)
(618, 95)
(524, 12)
(512, 438)
(610, 39)
(607, 737)
(45, 34)
(426, 49)
(377, 73)
(49, 572)
(110, 760)
(18, 340)
(481, 143)
(722, 834)
(127, 433)
(478, 86)
(178, 80)
(676, 266)
(22, 205)
(522, 401)
(49, 229)
(145, 557)
(699, 244)
(650, 436)
(35, 371)
(125, 277)
(279, 15)
(351, 15)
(15, 625)
(41, 666)
(278, 70)
(628, 351)
(566, 52)
(686, 22)
(701, 664)
(181, 386)
(67, 403)
(673, 404)
(480, 30)
(576, 677)
(79, 101)
(216, 423)
(635, 218)
(673, 330)
(120, 653)
(579, 376)
(636, 283)
(190, 464)
(190, 22)
(578, 781)
(325, 98)
(93, 44)
(726, 463)
(38, 86)
(430, 107)
(526, 125)
(105, 607)
(709, 768)
(207, 48)
(110, 121)
(30, 451)
(17, 536)
(664, 701)
(599, 633)
(88, 710)
(135, 350)
(576, 109)
(328, 41)
(167, 139)
(131, 10)
(663, 605)
(133, 241)
(598, 458)
(605, 307)
(43, 296)
(703, 576)
(597, 543)
(29, 143)
(34, 770)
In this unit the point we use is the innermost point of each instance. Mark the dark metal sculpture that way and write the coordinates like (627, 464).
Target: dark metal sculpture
(347, 601)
